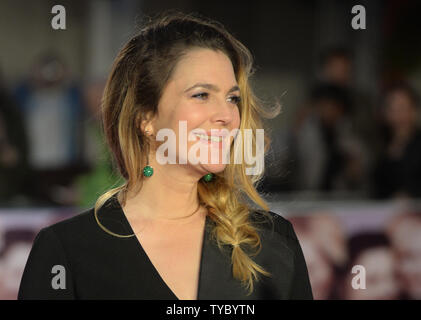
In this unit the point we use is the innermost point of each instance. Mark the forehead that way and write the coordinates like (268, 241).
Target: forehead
(204, 65)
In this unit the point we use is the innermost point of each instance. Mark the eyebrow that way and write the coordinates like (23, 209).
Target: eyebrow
(211, 87)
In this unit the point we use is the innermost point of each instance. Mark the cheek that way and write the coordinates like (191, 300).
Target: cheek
(191, 113)
(192, 117)
(236, 118)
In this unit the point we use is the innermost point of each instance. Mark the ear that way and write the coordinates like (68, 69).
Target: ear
(147, 124)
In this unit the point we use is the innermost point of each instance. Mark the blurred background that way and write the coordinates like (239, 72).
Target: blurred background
(345, 162)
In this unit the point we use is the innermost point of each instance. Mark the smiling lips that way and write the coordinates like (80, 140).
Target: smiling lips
(211, 138)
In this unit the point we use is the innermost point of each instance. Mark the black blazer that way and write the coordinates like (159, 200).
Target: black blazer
(98, 265)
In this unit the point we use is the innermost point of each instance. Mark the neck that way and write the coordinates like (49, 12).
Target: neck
(169, 194)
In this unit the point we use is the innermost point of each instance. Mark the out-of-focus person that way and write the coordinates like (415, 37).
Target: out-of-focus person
(405, 234)
(330, 156)
(336, 66)
(13, 151)
(88, 186)
(372, 251)
(53, 112)
(397, 172)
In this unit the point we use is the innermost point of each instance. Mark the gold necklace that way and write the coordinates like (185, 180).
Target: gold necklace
(135, 233)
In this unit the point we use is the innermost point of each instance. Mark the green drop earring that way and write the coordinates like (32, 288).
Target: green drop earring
(208, 177)
(147, 170)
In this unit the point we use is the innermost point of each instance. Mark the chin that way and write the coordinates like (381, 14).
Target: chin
(213, 168)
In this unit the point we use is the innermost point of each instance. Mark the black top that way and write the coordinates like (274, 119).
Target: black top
(402, 174)
(98, 265)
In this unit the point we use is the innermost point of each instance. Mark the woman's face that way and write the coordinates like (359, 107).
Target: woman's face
(400, 111)
(204, 93)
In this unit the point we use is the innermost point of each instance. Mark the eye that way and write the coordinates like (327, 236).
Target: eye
(235, 99)
(201, 96)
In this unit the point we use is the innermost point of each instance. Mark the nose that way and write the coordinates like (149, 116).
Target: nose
(223, 112)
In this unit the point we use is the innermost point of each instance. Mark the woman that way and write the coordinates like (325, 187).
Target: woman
(178, 230)
(397, 172)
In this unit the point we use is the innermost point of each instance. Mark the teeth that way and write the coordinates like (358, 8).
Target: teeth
(212, 138)
(217, 139)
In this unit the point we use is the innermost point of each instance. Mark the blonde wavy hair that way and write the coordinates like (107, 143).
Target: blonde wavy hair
(133, 89)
